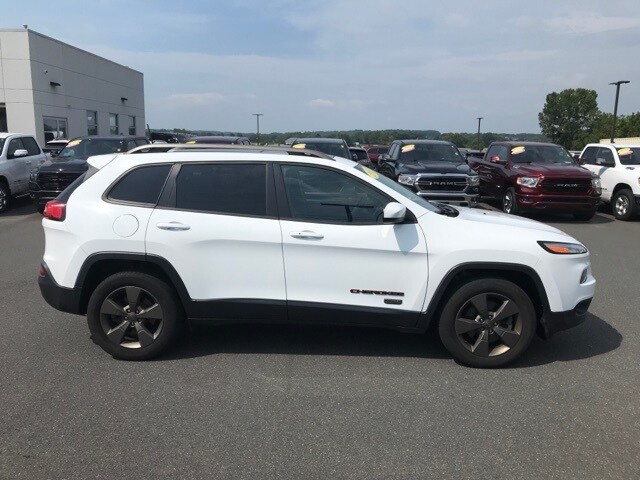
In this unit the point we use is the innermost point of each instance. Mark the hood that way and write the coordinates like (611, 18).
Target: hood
(503, 219)
(413, 168)
(66, 165)
(550, 170)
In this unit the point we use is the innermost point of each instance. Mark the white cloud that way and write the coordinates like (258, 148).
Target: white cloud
(321, 102)
(194, 99)
(590, 23)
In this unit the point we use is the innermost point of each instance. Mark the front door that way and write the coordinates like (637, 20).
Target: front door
(342, 264)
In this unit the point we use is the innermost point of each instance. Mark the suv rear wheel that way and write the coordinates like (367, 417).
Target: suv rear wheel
(4, 196)
(624, 205)
(487, 323)
(133, 316)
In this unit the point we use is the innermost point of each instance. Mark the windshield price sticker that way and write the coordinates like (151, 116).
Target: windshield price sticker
(623, 152)
(408, 148)
(517, 150)
(300, 145)
(73, 143)
(371, 173)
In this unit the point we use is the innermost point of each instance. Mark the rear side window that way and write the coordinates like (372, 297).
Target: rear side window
(232, 189)
(31, 145)
(141, 185)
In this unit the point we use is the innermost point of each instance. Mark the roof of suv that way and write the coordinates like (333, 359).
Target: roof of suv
(524, 144)
(9, 134)
(203, 147)
(441, 142)
(216, 139)
(318, 140)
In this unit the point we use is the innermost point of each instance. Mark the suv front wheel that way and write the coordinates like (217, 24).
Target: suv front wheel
(624, 205)
(487, 323)
(133, 316)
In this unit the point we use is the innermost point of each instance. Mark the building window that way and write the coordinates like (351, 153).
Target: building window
(132, 125)
(92, 122)
(113, 124)
(54, 128)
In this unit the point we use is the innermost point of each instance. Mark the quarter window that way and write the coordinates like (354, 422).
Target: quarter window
(141, 185)
(232, 189)
(322, 195)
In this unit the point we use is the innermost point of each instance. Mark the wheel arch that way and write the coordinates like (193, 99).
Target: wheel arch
(618, 187)
(5, 182)
(523, 276)
(99, 266)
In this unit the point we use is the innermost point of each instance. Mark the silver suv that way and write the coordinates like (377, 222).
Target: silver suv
(19, 153)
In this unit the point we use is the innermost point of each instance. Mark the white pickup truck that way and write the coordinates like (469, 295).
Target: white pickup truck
(19, 154)
(618, 166)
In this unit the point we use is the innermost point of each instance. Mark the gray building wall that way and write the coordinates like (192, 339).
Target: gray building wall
(29, 61)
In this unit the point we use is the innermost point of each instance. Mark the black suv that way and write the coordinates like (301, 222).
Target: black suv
(433, 169)
(169, 137)
(220, 140)
(48, 180)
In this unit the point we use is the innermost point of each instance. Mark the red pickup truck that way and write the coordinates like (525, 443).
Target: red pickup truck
(537, 177)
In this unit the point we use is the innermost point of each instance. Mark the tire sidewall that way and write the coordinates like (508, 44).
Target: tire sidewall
(514, 205)
(446, 326)
(630, 198)
(7, 197)
(164, 295)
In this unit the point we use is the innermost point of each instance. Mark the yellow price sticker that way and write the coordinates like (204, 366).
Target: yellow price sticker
(623, 152)
(517, 150)
(300, 145)
(373, 174)
(73, 143)
(408, 148)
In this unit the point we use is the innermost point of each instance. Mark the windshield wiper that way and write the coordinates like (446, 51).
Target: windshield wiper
(445, 209)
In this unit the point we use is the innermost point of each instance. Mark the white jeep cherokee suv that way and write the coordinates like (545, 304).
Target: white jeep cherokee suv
(142, 242)
(618, 166)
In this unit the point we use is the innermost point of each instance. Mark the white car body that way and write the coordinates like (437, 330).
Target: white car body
(15, 170)
(309, 265)
(613, 175)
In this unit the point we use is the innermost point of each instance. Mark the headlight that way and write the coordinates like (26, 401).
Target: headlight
(561, 248)
(407, 179)
(596, 183)
(33, 175)
(528, 181)
(473, 181)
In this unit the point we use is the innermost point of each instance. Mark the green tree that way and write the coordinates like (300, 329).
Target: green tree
(568, 117)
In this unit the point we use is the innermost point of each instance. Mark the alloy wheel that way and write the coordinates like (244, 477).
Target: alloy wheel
(507, 203)
(131, 317)
(488, 324)
(622, 205)
(3, 199)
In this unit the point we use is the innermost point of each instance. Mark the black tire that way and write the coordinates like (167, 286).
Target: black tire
(5, 195)
(509, 202)
(152, 336)
(623, 204)
(584, 217)
(477, 344)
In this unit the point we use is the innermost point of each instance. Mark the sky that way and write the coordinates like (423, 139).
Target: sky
(354, 64)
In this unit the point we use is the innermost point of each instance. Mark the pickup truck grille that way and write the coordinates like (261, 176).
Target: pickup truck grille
(566, 186)
(444, 183)
(56, 181)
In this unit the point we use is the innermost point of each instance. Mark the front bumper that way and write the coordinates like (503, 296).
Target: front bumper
(41, 197)
(461, 199)
(554, 322)
(61, 298)
(556, 203)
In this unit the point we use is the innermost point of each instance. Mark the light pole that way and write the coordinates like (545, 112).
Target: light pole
(258, 115)
(615, 108)
(479, 120)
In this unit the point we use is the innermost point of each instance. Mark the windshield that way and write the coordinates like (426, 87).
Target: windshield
(85, 148)
(361, 154)
(430, 152)
(333, 149)
(396, 187)
(629, 155)
(550, 154)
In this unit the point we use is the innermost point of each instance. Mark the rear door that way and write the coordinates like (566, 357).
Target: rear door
(218, 227)
(342, 263)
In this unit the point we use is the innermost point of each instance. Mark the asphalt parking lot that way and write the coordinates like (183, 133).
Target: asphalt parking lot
(312, 402)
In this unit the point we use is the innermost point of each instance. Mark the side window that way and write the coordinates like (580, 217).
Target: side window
(232, 189)
(606, 154)
(590, 155)
(31, 145)
(141, 185)
(393, 151)
(131, 144)
(499, 151)
(14, 144)
(322, 195)
(141, 141)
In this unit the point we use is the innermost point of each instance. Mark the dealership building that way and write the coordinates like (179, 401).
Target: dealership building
(54, 90)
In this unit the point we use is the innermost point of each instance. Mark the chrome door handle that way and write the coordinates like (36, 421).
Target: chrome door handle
(307, 235)
(173, 226)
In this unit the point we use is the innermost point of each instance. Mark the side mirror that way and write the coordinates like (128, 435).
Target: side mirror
(394, 212)
(497, 159)
(21, 152)
(54, 153)
(354, 157)
(581, 160)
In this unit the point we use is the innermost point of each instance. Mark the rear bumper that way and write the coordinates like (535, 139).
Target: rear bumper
(61, 298)
(554, 322)
(564, 204)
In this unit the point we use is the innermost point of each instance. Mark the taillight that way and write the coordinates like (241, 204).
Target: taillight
(55, 210)
(42, 272)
